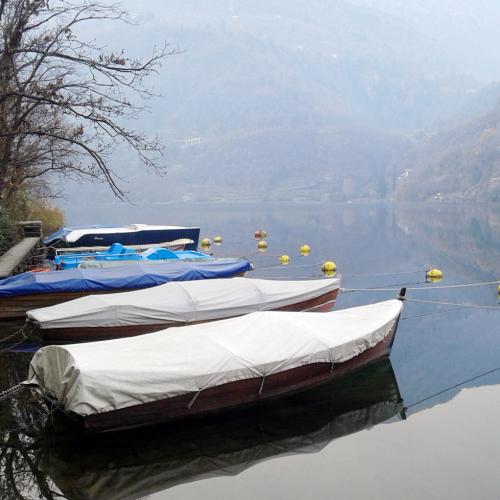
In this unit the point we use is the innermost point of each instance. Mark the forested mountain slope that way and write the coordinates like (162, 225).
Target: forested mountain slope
(461, 162)
(283, 100)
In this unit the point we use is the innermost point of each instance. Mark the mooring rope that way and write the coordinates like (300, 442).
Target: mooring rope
(293, 278)
(457, 304)
(389, 288)
(4, 341)
(431, 287)
(383, 274)
(461, 285)
(442, 311)
(442, 391)
(288, 266)
(320, 305)
(11, 391)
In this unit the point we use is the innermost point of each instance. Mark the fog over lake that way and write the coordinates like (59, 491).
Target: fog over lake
(366, 129)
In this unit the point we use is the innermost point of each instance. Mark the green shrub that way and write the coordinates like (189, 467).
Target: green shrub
(52, 217)
(9, 234)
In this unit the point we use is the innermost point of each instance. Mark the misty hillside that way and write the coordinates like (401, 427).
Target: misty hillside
(466, 32)
(274, 100)
(459, 163)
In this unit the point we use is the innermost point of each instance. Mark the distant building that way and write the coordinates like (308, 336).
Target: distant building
(193, 141)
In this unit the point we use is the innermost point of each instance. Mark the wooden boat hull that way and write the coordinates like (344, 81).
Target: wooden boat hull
(17, 306)
(13, 308)
(232, 395)
(146, 462)
(322, 303)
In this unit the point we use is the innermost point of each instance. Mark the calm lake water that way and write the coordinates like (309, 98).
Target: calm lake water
(423, 425)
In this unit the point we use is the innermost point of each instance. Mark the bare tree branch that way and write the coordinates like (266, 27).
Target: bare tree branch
(64, 101)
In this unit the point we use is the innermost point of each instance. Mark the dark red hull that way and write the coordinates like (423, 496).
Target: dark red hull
(322, 303)
(12, 308)
(232, 395)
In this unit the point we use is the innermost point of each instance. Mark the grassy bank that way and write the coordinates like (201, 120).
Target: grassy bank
(52, 218)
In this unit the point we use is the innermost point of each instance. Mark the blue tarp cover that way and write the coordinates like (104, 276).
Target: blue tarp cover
(127, 277)
(119, 252)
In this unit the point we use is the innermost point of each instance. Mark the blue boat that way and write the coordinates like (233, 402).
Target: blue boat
(134, 234)
(123, 254)
(31, 290)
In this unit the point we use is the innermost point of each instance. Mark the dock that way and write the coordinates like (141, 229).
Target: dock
(23, 254)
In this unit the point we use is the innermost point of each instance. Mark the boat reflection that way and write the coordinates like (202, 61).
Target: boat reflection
(132, 465)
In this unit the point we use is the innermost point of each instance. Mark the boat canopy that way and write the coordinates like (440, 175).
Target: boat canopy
(131, 276)
(182, 301)
(98, 377)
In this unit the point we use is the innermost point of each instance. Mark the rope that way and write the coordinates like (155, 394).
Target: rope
(11, 391)
(479, 306)
(287, 266)
(382, 289)
(432, 287)
(444, 311)
(293, 278)
(344, 275)
(452, 387)
(456, 286)
(383, 274)
(5, 340)
(320, 305)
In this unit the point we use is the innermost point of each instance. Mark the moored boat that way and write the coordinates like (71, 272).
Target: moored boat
(30, 290)
(179, 244)
(150, 461)
(134, 234)
(206, 368)
(123, 255)
(104, 316)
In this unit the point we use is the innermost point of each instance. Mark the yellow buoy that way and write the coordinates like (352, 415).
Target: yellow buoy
(329, 267)
(434, 280)
(284, 259)
(262, 246)
(205, 242)
(217, 240)
(498, 289)
(305, 250)
(260, 234)
(434, 274)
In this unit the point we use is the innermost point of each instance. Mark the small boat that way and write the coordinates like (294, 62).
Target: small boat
(211, 367)
(26, 291)
(112, 468)
(134, 234)
(105, 316)
(122, 254)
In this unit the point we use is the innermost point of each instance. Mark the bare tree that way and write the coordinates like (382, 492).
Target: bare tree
(64, 101)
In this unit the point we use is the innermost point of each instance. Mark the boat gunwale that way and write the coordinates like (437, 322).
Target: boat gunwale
(229, 396)
(321, 303)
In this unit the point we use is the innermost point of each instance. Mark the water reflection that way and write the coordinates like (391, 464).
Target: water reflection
(468, 236)
(437, 346)
(118, 468)
(22, 423)
(141, 463)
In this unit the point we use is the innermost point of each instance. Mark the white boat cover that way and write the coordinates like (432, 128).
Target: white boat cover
(182, 301)
(98, 377)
